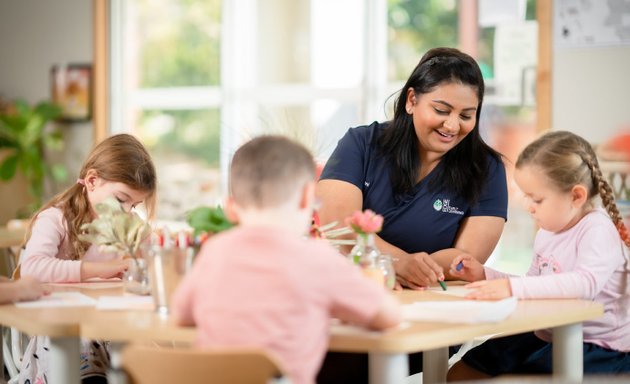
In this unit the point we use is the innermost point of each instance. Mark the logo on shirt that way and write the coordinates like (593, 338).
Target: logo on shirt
(367, 184)
(444, 205)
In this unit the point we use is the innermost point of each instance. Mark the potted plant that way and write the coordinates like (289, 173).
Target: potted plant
(24, 139)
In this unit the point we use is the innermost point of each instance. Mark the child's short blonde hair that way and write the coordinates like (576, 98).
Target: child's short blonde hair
(267, 170)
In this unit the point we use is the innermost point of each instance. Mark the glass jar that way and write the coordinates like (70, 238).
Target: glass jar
(364, 252)
(386, 265)
(136, 277)
(365, 255)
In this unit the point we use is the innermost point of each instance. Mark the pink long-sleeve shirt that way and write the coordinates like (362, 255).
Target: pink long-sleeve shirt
(47, 253)
(587, 261)
(267, 288)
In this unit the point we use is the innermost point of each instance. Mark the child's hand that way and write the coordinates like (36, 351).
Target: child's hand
(104, 269)
(28, 288)
(490, 289)
(467, 268)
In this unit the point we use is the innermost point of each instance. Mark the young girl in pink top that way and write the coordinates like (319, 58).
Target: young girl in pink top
(579, 252)
(118, 167)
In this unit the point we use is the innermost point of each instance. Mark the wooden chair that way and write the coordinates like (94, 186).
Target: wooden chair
(144, 365)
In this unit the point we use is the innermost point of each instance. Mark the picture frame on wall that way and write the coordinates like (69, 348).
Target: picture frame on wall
(72, 91)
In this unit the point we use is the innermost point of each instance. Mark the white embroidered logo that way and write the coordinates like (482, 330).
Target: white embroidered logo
(444, 205)
(367, 184)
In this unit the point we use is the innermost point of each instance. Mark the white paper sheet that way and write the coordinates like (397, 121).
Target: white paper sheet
(459, 311)
(457, 290)
(97, 284)
(131, 302)
(59, 299)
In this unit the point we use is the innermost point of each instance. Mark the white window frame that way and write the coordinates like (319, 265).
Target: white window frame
(236, 97)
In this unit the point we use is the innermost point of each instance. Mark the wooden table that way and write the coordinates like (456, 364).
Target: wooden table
(388, 351)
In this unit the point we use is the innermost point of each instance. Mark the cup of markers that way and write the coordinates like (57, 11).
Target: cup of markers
(169, 257)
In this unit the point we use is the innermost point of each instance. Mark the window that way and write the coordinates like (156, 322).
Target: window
(196, 78)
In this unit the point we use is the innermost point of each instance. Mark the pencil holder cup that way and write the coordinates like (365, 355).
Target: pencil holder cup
(166, 268)
(136, 277)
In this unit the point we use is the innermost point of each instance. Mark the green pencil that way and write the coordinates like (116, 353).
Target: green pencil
(442, 284)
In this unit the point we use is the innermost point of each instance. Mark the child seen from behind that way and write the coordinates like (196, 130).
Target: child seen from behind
(263, 283)
(579, 252)
(118, 167)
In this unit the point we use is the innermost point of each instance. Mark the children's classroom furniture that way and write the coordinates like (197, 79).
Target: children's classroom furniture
(387, 350)
(10, 239)
(150, 365)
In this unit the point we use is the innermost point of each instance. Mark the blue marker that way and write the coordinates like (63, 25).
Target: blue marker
(459, 266)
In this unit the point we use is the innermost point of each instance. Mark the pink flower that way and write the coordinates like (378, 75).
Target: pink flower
(365, 222)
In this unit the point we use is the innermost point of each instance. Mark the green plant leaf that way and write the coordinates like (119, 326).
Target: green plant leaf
(48, 111)
(53, 140)
(59, 172)
(208, 219)
(23, 132)
(8, 167)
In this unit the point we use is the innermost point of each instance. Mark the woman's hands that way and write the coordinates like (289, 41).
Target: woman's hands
(103, 269)
(417, 270)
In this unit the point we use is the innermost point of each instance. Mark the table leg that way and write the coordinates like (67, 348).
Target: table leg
(388, 367)
(434, 365)
(64, 361)
(568, 352)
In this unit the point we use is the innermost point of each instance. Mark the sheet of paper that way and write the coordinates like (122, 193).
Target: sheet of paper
(459, 311)
(119, 303)
(457, 290)
(59, 299)
(96, 284)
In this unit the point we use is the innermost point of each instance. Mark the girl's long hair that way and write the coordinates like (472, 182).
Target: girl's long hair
(120, 158)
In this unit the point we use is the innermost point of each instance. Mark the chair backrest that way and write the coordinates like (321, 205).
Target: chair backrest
(144, 364)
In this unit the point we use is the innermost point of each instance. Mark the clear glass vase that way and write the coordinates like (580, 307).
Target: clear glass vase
(365, 255)
(136, 277)
(386, 265)
(364, 252)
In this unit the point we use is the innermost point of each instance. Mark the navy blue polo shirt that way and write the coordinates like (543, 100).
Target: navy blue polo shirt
(426, 220)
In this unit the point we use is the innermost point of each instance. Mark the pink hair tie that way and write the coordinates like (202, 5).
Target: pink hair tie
(81, 181)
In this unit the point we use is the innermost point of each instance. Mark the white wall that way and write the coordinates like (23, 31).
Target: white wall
(591, 91)
(591, 83)
(34, 35)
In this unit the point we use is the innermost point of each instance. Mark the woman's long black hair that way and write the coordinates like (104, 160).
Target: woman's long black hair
(464, 167)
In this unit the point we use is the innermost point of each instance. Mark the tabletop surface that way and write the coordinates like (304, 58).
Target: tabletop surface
(143, 325)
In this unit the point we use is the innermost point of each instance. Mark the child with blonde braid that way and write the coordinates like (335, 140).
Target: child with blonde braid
(579, 252)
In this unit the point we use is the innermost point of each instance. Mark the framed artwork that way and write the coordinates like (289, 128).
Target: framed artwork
(72, 91)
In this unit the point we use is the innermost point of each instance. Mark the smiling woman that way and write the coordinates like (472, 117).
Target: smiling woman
(441, 190)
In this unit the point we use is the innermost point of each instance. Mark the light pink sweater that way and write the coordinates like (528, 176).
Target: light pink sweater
(589, 262)
(267, 288)
(47, 256)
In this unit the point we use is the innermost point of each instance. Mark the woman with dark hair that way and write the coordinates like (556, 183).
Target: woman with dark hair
(441, 190)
